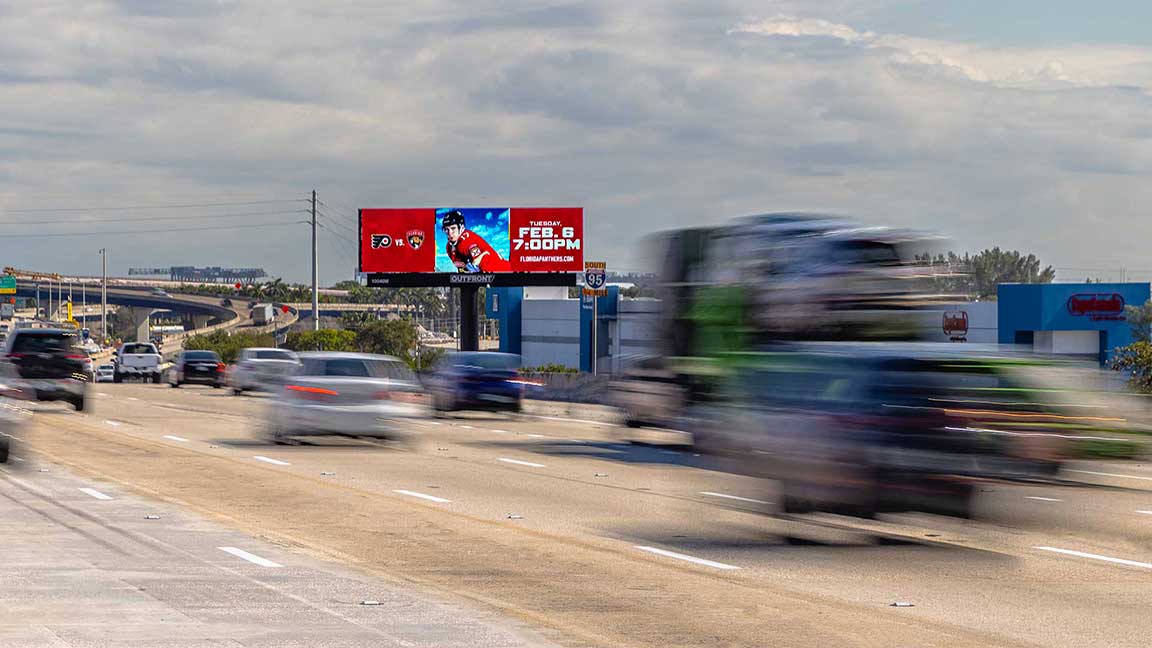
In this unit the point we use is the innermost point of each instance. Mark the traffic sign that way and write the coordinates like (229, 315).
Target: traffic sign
(595, 278)
(7, 285)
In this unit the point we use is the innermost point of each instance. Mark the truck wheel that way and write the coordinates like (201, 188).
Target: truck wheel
(156, 378)
(117, 378)
(78, 403)
(3, 450)
(237, 391)
(174, 384)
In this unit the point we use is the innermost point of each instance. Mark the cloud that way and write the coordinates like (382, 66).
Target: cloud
(651, 114)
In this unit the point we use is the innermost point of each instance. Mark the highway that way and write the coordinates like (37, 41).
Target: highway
(554, 525)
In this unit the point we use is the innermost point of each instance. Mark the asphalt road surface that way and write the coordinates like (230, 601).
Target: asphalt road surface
(546, 529)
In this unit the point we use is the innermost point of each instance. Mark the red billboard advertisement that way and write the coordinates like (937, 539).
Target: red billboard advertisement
(470, 241)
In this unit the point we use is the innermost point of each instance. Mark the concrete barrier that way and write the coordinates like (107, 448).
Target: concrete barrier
(570, 387)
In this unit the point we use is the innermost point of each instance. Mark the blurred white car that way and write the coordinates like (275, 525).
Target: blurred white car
(346, 394)
(260, 369)
(105, 373)
(13, 415)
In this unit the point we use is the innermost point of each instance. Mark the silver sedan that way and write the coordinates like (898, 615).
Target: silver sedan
(345, 394)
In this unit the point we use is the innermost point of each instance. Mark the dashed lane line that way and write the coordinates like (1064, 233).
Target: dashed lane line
(92, 492)
(687, 558)
(250, 557)
(1092, 556)
(270, 460)
(518, 462)
(423, 496)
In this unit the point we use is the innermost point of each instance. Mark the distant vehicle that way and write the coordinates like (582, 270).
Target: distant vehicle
(160, 292)
(169, 329)
(13, 416)
(105, 373)
(226, 303)
(197, 368)
(46, 364)
(140, 359)
(648, 393)
(477, 380)
(348, 394)
(7, 311)
(261, 369)
(263, 314)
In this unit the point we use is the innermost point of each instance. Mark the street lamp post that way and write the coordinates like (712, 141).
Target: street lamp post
(104, 296)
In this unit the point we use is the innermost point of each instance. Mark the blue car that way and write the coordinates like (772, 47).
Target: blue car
(481, 380)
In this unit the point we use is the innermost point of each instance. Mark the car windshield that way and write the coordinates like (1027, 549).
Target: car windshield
(43, 342)
(201, 355)
(356, 368)
(139, 348)
(275, 355)
(497, 361)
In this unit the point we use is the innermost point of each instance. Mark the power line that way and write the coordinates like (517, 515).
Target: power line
(347, 240)
(345, 231)
(340, 205)
(336, 221)
(31, 210)
(157, 231)
(142, 218)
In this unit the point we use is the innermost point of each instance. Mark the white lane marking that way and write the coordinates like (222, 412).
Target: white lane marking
(733, 497)
(271, 460)
(568, 420)
(433, 422)
(95, 493)
(250, 557)
(176, 438)
(500, 431)
(1093, 472)
(691, 559)
(1042, 499)
(17, 459)
(430, 498)
(1144, 512)
(113, 423)
(520, 463)
(133, 398)
(536, 436)
(467, 427)
(1082, 554)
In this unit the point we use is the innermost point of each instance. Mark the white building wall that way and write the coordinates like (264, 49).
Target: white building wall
(983, 322)
(637, 327)
(550, 332)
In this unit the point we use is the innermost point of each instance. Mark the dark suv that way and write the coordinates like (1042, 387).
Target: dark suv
(197, 368)
(46, 362)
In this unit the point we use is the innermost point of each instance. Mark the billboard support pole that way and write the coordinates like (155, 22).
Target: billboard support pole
(469, 318)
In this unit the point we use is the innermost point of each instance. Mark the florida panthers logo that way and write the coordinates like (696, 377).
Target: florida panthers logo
(381, 241)
(415, 238)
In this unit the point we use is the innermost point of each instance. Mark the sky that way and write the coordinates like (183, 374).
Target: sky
(191, 132)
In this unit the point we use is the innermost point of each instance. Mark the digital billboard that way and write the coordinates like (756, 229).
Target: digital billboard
(472, 245)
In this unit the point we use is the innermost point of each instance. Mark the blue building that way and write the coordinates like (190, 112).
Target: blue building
(1081, 319)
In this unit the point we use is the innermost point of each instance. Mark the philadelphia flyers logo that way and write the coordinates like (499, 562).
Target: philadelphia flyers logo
(381, 241)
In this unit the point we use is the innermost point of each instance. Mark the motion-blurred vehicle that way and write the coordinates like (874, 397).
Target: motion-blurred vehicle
(261, 369)
(197, 368)
(771, 278)
(345, 394)
(139, 359)
(648, 393)
(105, 373)
(862, 429)
(160, 292)
(45, 364)
(13, 415)
(477, 380)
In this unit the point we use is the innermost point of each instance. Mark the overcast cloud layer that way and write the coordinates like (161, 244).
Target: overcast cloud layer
(649, 114)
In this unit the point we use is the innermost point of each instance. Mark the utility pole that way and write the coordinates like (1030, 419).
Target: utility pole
(315, 275)
(104, 296)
